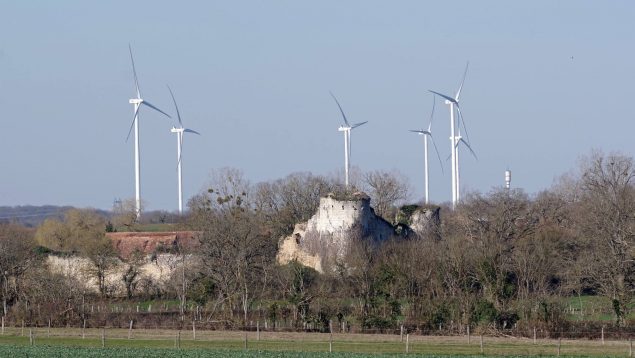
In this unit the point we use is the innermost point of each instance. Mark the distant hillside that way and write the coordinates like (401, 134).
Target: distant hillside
(33, 216)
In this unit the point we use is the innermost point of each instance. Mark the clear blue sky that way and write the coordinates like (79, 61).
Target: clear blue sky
(548, 82)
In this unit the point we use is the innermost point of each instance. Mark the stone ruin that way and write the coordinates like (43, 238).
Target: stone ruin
(325, 238)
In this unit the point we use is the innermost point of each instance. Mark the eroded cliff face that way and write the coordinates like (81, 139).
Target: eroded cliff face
(324, 240)
(154, 272)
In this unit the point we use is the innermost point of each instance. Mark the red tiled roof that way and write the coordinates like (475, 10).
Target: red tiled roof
(148, 242)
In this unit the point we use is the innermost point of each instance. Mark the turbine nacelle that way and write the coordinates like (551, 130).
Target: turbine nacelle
(135, 101)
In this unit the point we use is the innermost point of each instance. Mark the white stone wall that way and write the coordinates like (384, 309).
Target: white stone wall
(337, 217)
(328, 233)
(158, 271)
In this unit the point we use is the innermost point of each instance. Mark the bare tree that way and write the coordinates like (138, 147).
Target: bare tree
(494, 223)
(606, 222)
(387, 190)
(17, 256)
(125, 215)
(235, 251)
(103, 257)
(286, 202)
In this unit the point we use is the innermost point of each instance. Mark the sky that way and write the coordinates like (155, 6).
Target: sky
(548, 82)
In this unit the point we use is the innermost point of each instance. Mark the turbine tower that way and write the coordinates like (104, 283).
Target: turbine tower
(460, 140)
(453, 102)
(137, 102)
(346, 128)
(179, 148)
(425, 134)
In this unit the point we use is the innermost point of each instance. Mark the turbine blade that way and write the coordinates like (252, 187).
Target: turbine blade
(468, 147)
(155, 108)
(132, 124)
(432, 113)
(444, 96)
(178, 114)
(341, 110)
(437, 150)
(458, 109)
(187, 130)
(358, 124)
(458, 93)
(419, 131)
(134, 71)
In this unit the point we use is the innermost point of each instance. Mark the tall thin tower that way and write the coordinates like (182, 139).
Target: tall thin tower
(508, 179)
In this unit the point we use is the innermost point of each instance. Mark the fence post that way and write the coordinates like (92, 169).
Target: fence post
(481, 344)
(401, 334)
(130, 330)
(468, 334)
(194, 329)
(178, 339)
(330, 336)
(30, 336)
(602, 335)
(559, 343)
(48, 330)
(84, 329)
(3, 325)
(22, 331)
(407, 342)
(245, 345)
(103, 337)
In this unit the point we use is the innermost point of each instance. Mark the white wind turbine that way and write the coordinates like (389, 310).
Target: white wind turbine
(137, 102)
(428, 133)
(179, 147)
(346, 128)
(459, 140)
(454, 139)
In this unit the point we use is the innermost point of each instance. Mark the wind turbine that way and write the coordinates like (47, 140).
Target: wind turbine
(459, 140)
(453, 102)
(137, 102)
(179, 147)
(346, 128)
(425, 134)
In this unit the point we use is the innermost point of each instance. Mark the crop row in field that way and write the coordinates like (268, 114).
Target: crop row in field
(83, 352)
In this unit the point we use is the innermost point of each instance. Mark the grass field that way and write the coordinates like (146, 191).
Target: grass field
(159, 343)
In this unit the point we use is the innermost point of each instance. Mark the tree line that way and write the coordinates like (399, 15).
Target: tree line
(501, 259)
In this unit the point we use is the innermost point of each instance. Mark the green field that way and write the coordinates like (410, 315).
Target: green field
(61, 342)
(56, 351)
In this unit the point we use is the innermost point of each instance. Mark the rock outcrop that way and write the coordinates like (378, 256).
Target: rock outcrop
(325, 238)
(420, 221)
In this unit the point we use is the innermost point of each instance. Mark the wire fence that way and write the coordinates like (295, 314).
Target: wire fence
(194, 334)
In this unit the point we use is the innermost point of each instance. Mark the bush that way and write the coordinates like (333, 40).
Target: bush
(484, 312)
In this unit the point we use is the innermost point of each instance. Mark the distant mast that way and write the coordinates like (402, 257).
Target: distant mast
(508, 178)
